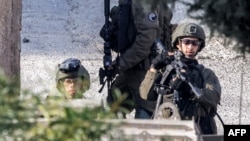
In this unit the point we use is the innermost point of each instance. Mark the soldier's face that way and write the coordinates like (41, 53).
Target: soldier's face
(72, 87)
(189, 46)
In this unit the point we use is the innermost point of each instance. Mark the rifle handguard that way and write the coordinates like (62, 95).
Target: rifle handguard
(176, 83)
(197, 91)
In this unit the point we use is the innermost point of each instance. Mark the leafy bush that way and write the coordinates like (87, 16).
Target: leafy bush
(33, 119)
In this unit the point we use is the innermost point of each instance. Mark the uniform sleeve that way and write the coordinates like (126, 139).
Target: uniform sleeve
(212, 89)
(146, 23)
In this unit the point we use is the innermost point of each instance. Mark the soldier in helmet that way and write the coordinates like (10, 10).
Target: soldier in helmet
(72, 79)
(194, 89)
(140, 23)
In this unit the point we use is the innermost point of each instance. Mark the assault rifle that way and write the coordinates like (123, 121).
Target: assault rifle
(105, 73)
(178, 66)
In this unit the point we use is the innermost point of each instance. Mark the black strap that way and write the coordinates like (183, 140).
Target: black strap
(166, 73)
(124, 19)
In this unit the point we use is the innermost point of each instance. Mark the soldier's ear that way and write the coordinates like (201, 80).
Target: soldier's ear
(178, 45)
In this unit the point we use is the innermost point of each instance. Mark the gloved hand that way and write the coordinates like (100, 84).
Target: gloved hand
(115, 66)
(175, 83)
(161, 60)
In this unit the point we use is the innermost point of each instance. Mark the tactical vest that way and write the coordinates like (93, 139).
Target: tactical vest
(121, 27)
(123, 31)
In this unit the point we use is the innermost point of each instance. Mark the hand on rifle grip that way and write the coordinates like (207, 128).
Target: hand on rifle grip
(115, 67)
(161, 60)
(175, 83)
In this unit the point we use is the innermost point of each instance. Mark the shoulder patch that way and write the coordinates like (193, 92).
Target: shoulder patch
(152, 17)
(209, 86)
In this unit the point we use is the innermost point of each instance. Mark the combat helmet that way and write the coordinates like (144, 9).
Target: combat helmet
(188, 30)
(72, 68)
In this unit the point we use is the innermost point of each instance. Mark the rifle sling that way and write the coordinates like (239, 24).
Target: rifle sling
(124, 19)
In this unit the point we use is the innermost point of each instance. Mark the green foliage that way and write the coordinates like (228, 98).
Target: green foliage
(12, 111)
(33, 119)
(121, 103)
(73, 125)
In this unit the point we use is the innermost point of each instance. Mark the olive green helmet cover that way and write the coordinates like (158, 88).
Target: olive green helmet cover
(81, 72)
(188, 30)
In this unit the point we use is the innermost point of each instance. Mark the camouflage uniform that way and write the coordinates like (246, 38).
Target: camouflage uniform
(72, 68)
(146, 24)
(202, 109)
